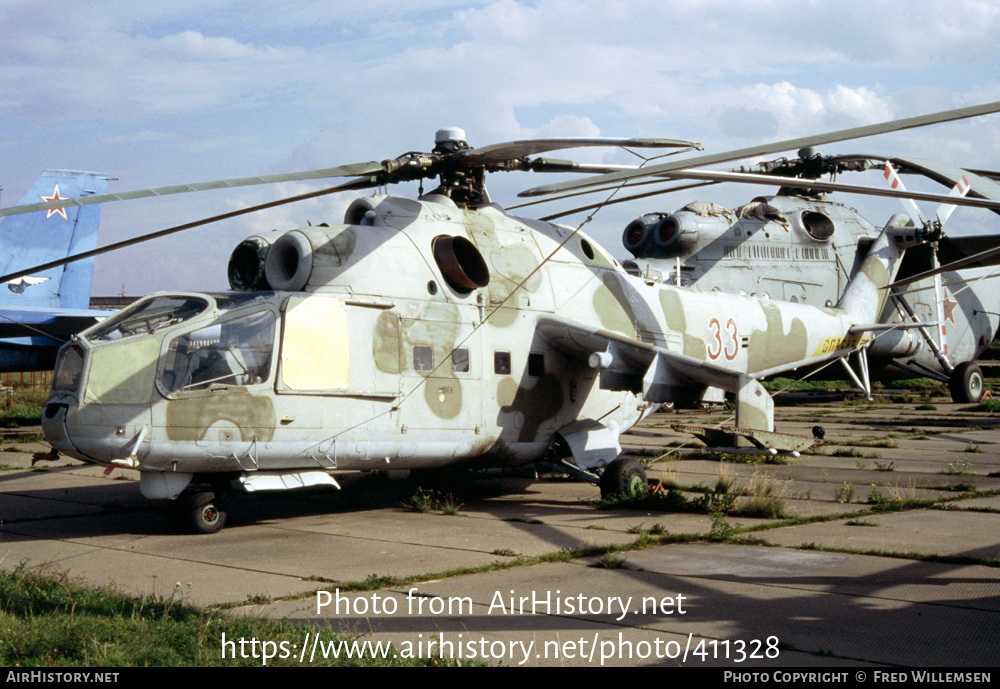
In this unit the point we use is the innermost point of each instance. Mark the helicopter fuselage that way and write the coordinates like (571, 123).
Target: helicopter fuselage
(420, 335)
(802, 249)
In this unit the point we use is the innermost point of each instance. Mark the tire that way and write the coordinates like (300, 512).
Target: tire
(623, 476)
(205, 513)
(966, 383)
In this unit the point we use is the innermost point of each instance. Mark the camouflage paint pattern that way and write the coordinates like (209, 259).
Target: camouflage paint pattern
(440, 417)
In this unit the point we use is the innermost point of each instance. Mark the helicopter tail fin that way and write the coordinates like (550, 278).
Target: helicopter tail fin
(867, 291)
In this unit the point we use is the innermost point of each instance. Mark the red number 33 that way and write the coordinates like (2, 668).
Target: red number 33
(715, 347)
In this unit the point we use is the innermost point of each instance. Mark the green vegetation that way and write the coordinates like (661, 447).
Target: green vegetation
(959, 468)
(48, 621)
(424, 500)
(845, 493)
(985, 405)
(859, 522)
(611, 562)
(921, 557)
(25, 409)
(762, 497)
(854, 452)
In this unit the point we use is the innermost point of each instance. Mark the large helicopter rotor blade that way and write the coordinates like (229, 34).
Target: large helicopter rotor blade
(798, 183)
(607, 202)
(365, 170)
(625, 199)
(767, 149)
(501, 153)
(990, 257)
(348, 186)
(556, 165)
(990, 174)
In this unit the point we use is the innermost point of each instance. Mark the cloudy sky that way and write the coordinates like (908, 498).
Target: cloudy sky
(164, 93)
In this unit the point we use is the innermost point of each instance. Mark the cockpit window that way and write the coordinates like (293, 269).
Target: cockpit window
(233, 352)
(147, 317)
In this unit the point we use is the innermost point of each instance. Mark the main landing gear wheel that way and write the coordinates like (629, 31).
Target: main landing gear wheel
(203, 512)
(966, 383)
(624, 475)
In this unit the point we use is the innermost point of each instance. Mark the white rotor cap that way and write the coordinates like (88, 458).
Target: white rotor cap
(449, 134)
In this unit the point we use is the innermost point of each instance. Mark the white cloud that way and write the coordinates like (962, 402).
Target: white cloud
(172, 92)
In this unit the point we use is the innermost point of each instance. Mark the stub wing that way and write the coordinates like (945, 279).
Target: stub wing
(657, 374)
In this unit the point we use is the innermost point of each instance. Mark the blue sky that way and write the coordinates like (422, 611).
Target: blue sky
(164, 93)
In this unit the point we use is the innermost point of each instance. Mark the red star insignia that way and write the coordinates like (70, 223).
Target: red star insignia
(949, 305)
(55, 197)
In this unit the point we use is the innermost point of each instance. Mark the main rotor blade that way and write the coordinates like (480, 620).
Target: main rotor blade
(353, 185)
(355, 170)
(499, 153)
(613, 201)
(798, 183)
(990, 257)
(557, 165)
(828, 138)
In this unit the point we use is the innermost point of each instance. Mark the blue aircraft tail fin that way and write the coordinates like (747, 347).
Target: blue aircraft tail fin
(36, 238)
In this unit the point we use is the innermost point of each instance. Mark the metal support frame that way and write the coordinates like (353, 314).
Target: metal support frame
(901, 302)
(863, 382)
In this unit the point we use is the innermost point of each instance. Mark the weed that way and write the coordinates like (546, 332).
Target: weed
(986, 405)
(721, 529)
(972, 447)
(448, 504)
(421, 501)
(764, 497)
(956, 487)
(504, 552)
(879, 466)
(756, 460)
(861, 464)
(899, 497)
(845, 493)
(429, 500)
(859, 522)
(876, 498)
(854, 452)
(668, 479)
(727, 474)
(723, 503)
(959, 468)
(610, 562)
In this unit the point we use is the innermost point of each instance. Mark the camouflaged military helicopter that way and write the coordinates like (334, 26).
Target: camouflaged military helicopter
(799, 246)
(432, 332)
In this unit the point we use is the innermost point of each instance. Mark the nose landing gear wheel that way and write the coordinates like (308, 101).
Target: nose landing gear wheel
(624, 475)
(203, 512)
(967, 383)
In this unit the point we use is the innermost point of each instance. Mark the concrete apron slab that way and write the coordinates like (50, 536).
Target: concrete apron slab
(824, 608)
(695, 605)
